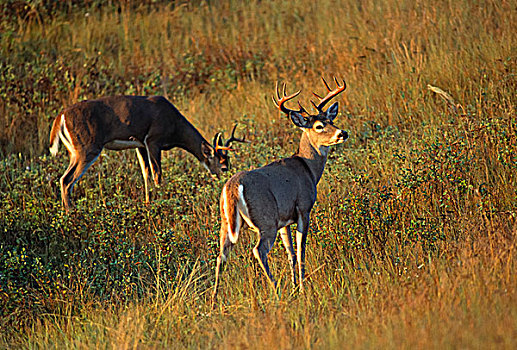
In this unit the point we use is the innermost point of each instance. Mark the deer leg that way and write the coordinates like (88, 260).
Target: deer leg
(261, 250)
(301, 239)
(155, 158)
(76, 169)
(226, 246)
(143, 159)
(285, 233)
(65, 181)
(228, 224)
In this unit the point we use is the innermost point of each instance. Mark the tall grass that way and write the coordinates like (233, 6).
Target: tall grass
(412, 240)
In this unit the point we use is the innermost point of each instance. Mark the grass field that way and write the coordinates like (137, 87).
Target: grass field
(413, 238)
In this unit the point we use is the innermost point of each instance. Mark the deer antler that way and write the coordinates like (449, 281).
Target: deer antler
(283, 99)
(227, 146)
(331, 94)
(233, 138)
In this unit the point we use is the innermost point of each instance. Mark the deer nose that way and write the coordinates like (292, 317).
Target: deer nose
(343, 135)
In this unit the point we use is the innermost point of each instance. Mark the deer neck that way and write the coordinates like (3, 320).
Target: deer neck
(189, 139)
(315, 156)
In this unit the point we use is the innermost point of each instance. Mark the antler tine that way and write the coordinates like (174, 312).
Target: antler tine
(216, 140)
(337, 83)
(331, 93)
(278, 97)
(233, 138)
(283, 99)
(327, 85)
(302, 109)
(233, 131)
(277, 91)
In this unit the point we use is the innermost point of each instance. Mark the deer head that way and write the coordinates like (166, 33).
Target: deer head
(319, 127)
(221, 159)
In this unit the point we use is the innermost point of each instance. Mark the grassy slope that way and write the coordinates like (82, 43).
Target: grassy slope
(412, 240)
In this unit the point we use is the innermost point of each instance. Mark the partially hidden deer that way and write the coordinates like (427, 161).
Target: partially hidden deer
(148, 124)
(271, 198)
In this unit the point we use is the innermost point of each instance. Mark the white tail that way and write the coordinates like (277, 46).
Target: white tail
(54, 135)
(54, 147)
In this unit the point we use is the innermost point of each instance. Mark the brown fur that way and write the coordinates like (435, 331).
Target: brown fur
(149, 124)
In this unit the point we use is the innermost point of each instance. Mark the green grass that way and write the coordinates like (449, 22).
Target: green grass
(412, 239)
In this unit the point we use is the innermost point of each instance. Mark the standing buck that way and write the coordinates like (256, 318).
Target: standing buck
(149, 124)
(273, 197)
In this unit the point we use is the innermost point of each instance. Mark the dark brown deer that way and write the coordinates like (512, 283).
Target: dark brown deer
(149, 124)
(271, 198)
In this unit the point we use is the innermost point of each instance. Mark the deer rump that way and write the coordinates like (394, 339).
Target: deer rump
(278, 184)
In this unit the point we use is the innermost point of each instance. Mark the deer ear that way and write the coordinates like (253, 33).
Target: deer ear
(332, 111)
(208, 151)
(299, 120)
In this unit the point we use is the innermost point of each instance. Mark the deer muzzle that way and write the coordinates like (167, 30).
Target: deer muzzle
(342, 136)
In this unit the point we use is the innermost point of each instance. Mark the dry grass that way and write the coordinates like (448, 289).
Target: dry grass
(413, 237)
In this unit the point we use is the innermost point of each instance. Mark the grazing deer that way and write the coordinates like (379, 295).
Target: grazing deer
(271, 198)
(149, 124)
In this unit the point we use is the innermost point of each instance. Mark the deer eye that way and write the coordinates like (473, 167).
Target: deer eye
(319, 127)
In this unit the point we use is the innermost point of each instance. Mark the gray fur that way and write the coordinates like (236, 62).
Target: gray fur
(280, 194)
